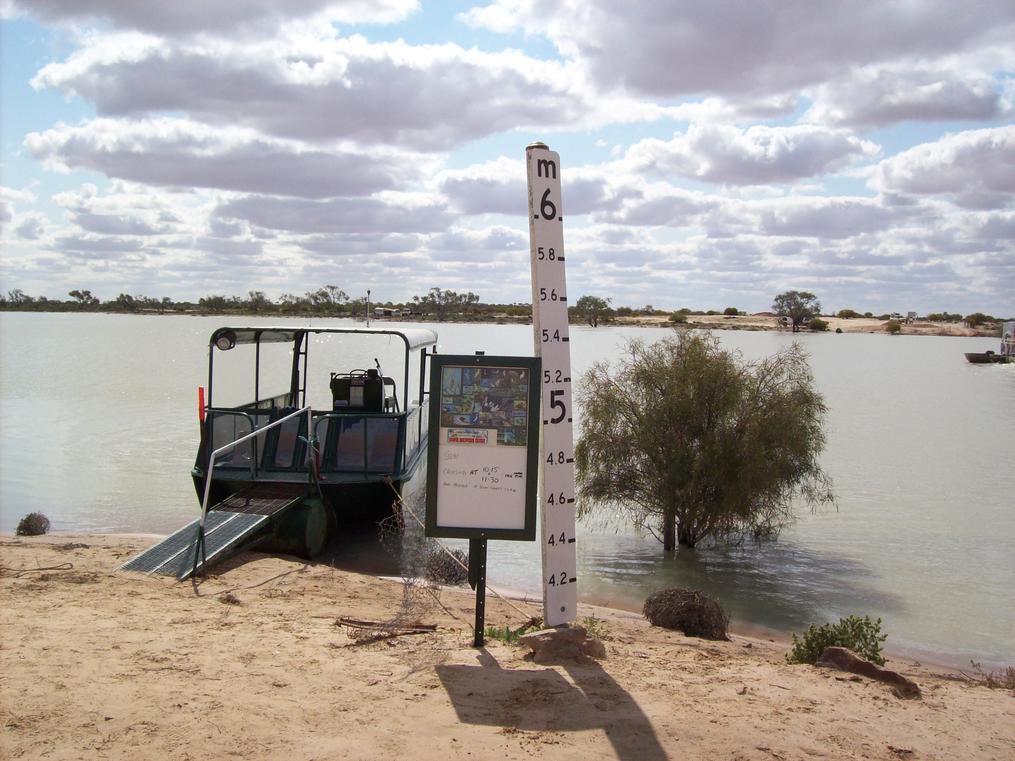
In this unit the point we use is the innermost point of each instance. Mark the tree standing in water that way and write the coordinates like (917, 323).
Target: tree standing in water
(686, 438)
(799, 306)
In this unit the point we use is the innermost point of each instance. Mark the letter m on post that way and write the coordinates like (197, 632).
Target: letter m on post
(546, 168)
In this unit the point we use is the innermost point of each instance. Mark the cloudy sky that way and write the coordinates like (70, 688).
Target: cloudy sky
(714, 153)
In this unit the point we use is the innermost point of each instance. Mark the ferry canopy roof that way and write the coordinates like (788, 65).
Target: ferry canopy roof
(415, 338)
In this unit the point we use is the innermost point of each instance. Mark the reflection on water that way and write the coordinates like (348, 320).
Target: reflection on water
(778, 586)
(99, 431)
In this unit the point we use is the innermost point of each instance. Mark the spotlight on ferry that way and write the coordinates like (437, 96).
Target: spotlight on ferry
(225, 340)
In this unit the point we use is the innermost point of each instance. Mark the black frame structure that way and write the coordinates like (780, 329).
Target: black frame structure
(533, 366)
(260, 461)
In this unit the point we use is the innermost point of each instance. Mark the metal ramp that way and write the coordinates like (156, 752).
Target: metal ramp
(230, 524)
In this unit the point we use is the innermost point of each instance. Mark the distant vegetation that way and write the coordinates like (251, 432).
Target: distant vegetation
(439, 304)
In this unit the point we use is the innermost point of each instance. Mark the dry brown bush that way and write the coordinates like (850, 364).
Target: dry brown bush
(687, 610)
(33, 524)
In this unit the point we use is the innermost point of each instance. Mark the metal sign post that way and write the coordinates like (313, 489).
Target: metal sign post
(549, 322)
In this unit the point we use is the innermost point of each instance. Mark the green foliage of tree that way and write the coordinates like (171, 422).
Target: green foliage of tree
(817, 325)
(861, 635)
(678, 318)
(976, 319)
(798, 306)
(257, 302)
(592, 309)
(84, 298)
(731, 311)
(124, 303)
(18, 298)
(944, 317)
(893, 327)
(686, 437)
(213, 303)
(847, 314)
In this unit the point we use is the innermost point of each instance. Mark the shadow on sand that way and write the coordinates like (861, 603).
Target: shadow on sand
(546, 701)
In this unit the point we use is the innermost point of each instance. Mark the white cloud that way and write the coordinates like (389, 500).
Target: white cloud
(395, 213)
(499, 187)
(31, 226)
(327, 89)
(752, 156)
(975, 169)
(875, 96)
(226, 17)
(178, 153)
(821, 217)
(354, 244)
(685, 47)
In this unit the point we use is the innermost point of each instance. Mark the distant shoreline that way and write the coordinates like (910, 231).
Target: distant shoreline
(745, 322)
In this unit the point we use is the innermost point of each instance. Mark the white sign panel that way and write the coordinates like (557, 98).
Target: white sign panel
(482, 485)
(483, 447)
(549, 320)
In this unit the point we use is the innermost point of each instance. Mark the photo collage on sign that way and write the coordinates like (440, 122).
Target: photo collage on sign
(487, 398)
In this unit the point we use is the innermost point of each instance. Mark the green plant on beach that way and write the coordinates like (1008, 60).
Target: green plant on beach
(507, 634)
(503, 633)
(893, 327)
(594, 627)
(861, 635)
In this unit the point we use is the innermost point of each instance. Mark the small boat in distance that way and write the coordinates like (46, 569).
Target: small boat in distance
(984, 357)
(309, 450)
(1006, 353)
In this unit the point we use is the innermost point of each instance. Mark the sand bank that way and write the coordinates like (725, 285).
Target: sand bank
(100, 664)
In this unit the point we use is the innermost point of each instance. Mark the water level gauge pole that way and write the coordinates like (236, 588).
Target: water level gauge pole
(552, 343)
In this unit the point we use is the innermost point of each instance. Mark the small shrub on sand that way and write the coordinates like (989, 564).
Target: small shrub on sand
(594, 627)
(33, 524)
(1001, 679)
(893, 327)
(861, 635)
(687, 610)
(441, 568)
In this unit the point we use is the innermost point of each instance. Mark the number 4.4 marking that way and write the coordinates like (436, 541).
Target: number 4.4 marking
(561, 539)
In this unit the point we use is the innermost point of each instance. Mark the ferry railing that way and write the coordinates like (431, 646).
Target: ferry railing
(199, 550)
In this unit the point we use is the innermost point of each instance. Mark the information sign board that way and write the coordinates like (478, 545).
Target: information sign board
(482, 472)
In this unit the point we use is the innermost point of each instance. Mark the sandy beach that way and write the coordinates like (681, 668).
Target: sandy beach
(255, 662)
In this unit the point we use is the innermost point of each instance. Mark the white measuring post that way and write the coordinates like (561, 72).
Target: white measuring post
(549, 322)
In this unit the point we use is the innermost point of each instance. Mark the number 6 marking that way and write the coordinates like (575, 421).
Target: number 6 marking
(546, 207)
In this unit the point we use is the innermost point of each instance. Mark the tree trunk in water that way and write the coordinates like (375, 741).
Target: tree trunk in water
(686, 537)
(669, 532)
